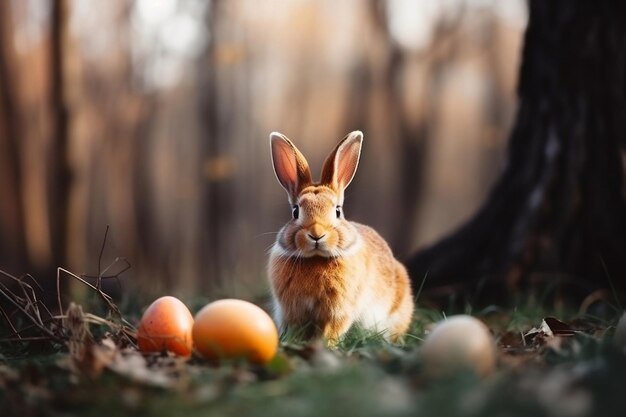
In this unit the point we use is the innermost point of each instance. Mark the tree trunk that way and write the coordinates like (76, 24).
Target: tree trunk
(12, 244)
(59, 169)
(558, 212)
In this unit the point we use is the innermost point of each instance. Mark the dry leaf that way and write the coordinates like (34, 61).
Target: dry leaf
(77, 331)
(156, 370)
(558, 328)
(7, 375)
(549, 329)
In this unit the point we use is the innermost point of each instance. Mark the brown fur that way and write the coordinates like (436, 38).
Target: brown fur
(326, 272)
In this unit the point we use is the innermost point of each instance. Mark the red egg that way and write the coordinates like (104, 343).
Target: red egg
(166, 325)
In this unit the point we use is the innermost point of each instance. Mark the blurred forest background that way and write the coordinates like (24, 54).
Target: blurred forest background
(153, 117)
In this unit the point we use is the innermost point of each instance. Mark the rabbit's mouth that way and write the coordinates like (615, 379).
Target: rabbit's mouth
(303, 243)
(319, 250)
(316, 242)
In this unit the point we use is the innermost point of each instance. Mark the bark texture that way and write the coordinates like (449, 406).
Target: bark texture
(558, 212)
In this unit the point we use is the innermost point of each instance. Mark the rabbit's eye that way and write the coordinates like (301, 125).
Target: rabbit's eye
(296, 212)
(338, 211)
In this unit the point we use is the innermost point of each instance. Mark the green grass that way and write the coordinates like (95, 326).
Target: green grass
(583, 375)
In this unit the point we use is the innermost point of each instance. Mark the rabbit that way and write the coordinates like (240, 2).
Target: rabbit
(327, 273)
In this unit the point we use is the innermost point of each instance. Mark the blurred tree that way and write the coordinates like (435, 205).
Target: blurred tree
(216, 196)
(557, 215)
(59, 177)
(34, 175)
(414, 134)
(159, 129)
(12, 244)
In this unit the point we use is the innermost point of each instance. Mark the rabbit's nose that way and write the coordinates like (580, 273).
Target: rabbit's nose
(316, 232)
(315, 238)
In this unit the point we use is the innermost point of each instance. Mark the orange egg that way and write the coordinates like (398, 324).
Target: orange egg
(235, 329)
(166, 325)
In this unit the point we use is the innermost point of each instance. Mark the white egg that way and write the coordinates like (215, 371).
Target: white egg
(459, 343)
(619, 337)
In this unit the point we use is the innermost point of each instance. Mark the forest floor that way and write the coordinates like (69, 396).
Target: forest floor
(568, 367)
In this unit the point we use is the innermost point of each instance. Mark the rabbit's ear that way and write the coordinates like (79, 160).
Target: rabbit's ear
(290, 166)
(341, 164)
